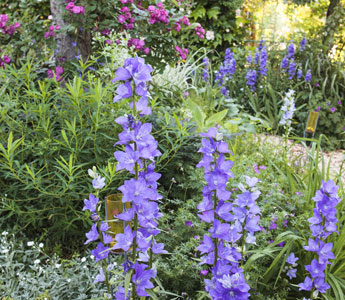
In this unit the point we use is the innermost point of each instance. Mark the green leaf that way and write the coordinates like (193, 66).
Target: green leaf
(199, 12)
(213, 12)
(216, 118)
(197, 113)
(127, 281)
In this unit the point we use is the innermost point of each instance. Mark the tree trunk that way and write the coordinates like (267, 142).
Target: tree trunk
(65, 48)
(332, 5)
(331, 24)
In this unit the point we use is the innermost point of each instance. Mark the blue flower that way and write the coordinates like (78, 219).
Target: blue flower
(141, 279)
(292, 259)
(92, 235)
(124, 240)
(291, 273)
(101, 252)
(123, 91)
(91, 204)
(100, 276)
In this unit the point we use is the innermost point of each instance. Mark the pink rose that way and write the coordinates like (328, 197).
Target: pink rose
(121, 19)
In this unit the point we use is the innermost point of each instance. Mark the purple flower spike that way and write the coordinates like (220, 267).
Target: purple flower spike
(322, 224)
(227, 281)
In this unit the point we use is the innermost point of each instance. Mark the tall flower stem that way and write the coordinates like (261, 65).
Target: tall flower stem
(141, 190)
(105, 270)
(135, 228)
(215, 240)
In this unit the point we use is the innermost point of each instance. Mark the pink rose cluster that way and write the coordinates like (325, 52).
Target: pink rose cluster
(199, 31)
(75, 9)
(7, 29)
(183, 53)
(184, 20)
(126, 18)
(139, 45)
(58, 72)
(4, 60)
(51, 32)
(158, 14)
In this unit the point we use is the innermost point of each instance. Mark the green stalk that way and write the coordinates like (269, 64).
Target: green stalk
(136, 169)
(105, 270)
(215, 241)
(215, 203)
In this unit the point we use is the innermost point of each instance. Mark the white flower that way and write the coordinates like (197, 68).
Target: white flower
(227, 30)
(93, 173)
(4, 233)
(210, 35)
(83, 259)
(40, 245)
(98, 183)
(219, 136)
(37, 261)
(30, 244)
(50, 17)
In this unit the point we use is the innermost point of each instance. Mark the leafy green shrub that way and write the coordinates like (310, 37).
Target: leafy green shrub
(50, 137)
(219, 20)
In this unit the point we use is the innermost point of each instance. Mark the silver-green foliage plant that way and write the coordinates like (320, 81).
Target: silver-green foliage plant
(27, 272)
